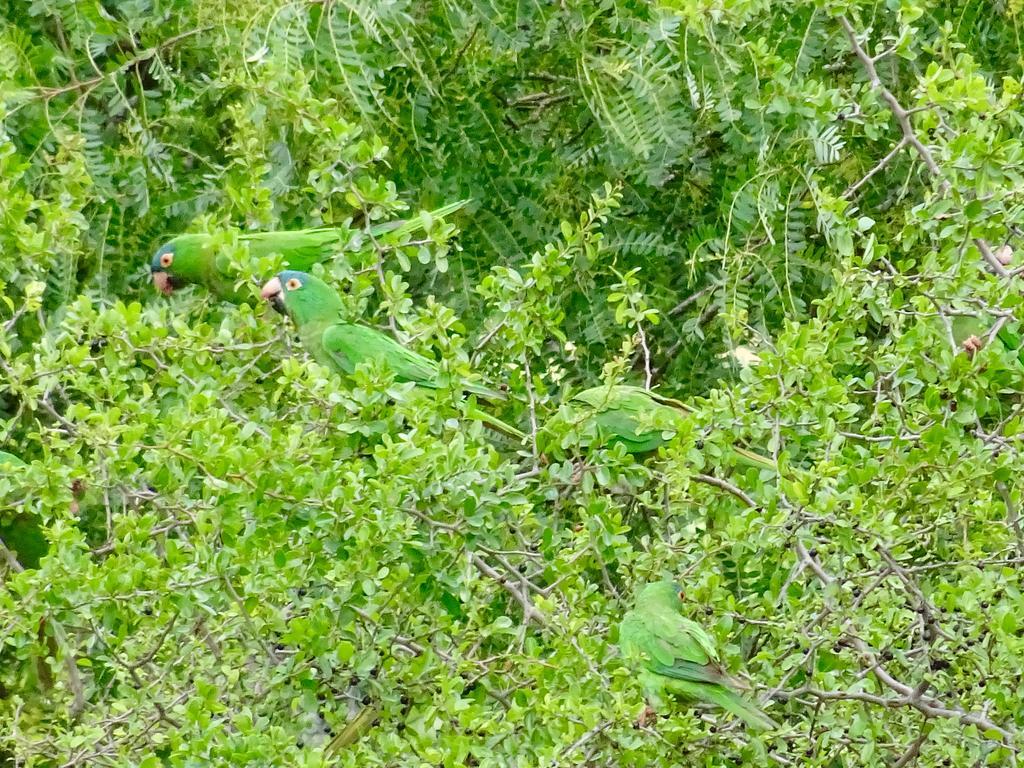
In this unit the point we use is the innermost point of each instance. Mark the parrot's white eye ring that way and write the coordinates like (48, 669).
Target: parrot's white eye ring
(293, 284)
(166, 260)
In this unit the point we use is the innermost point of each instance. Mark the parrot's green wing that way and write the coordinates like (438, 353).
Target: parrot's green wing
(640, 420)
(665, 647)
(300, 248)
(349, 345)
(660, 659)
(676, 646)
(629, 415)
(346, 345)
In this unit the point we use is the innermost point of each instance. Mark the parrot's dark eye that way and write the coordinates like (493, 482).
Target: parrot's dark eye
(166, 260)
(293, 284)
(681, 594)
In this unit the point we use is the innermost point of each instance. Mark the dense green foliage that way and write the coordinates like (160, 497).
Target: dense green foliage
(774, 210)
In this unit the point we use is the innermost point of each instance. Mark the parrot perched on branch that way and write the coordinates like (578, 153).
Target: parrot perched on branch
(316, 309)
(674, 655)
(641, 420)
(195, 260)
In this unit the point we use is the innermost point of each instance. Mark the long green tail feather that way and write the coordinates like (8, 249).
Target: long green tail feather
(721, 696)
(736, 705)
(351, 733)
(494, 423)
(406, 226)
(755, 459)
(485, 392)
(750, 457)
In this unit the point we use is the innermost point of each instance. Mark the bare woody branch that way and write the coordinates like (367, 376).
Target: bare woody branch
(908, 695)
(530, 612)
(910, 136)
(86, 86)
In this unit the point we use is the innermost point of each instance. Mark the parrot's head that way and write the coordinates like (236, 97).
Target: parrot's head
(664, 593)
(301, 296)
(160, 268)
(289, 281)
(181, 261)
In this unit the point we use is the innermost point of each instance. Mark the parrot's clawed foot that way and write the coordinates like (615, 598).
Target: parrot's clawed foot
(646, 716)
(972, 345)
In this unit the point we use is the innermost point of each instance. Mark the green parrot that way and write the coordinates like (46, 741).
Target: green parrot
(674, 655)
(20, 532)
(316, 310)
(643, 421)
(193, 259)
(970, 333)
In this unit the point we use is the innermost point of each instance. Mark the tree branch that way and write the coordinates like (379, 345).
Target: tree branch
(878, 167)
(678, 308)
(913, 750)
(530, 612)
(93, 82)
(902, 115)
(1012, 515)
(726, 486)
(909, 135)
(909, 696)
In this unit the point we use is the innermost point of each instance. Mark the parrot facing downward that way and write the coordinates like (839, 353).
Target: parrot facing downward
(641, 420)
(316, 310)
(20, 532)
(674, 655)
(193, 259)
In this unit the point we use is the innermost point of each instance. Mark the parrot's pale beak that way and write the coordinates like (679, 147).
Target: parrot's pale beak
(271, 289)
(272, 293)
(162, 281)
